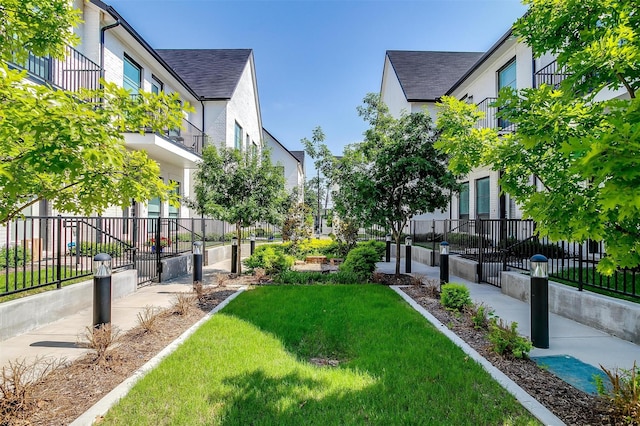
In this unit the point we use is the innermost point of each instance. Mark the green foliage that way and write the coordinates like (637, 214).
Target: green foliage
(298, 223)
(14, 256)
(528, 248)
(455, 297)
(271, 258)
(506, 341)
(580, 149)
(238, 187)
(394, 174)
(479, 315)
(312, 247)
(307, 278)
(361, 261)
(92, 248)
(622, 393)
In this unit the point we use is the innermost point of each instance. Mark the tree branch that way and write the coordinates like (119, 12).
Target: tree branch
(632, 93)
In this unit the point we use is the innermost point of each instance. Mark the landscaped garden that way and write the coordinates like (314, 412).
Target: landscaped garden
(318, 355)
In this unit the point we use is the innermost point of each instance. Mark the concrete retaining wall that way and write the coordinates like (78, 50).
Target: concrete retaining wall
(21, 315)
(458, 266)
(617, 317)
(218, 254)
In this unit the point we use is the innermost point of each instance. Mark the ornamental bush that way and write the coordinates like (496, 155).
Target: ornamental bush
(455, 296)
(361, 261)
(271, 258)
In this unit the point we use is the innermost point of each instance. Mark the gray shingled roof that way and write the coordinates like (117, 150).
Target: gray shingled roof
(425, 76)
(211, 73)
(299, 156)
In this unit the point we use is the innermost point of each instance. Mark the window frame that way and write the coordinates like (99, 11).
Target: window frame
(237, 140)
(487, 197)
(159, 85)
(128, 59)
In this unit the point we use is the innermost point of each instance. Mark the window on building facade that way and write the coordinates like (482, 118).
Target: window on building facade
(157, 86)
(483, 198)
(238, 137)
(506, 78)
(254, 149)
(132, 80)
(463, 203)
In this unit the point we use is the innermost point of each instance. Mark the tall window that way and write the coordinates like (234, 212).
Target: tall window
(483, 198)
(506, 78)
(157, 86)
(132, 80)
(463, 203)
(247, 143)
(254, 149)
(174, 212)
(238, 137)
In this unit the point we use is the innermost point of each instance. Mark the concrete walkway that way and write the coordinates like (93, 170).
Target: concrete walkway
(59, 340)
(566, 337)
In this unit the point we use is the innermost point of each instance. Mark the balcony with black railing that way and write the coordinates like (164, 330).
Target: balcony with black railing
(72, 73)
(188, 137)
(491, 119)
(551, 75)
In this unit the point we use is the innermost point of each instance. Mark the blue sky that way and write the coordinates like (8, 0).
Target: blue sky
(316, 60)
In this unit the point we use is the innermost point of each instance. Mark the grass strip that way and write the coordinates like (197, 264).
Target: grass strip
(250, 364)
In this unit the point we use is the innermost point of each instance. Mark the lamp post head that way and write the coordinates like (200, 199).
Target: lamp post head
(539, 266)
(408, 240)
(252, 237)
(444, 248)
(102, 265)
(388, 237)
(197, 247)
(234, 241)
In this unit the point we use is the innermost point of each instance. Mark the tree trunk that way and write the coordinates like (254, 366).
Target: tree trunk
(239, 256)
(397, 253)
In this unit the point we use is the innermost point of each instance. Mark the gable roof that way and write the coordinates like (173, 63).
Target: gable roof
(296, 155)
(426, 76)
(212, 73)
(299, 156)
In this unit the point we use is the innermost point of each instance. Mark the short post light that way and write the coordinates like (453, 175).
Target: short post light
(101, 290)
(197, 262)
(444, 262)
(252, 243)
(539, 301)
(387, 257)
(407, 243)
(234, 255)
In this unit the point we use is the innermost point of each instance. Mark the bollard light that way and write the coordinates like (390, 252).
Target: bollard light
(252, 243)
(407, 243)
(444, 248)
(101, 289)
(234, 255)
(539, 266)
(102, 265)
(444, 262)
(197, 262)
(197, 247)
(539, 301)
(387, 254)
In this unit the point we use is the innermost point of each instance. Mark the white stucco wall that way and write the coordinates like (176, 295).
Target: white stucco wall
(283, 157)
(243, 108)
(391, 92)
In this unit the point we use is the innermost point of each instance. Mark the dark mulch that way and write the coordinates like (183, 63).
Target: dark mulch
(571, 405)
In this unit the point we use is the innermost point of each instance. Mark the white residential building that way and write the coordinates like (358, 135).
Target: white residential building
(292, 163)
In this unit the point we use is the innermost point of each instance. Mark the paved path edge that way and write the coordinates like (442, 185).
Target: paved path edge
(101, 407)
(538, 410)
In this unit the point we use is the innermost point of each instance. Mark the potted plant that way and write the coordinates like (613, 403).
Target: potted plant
(164, 242)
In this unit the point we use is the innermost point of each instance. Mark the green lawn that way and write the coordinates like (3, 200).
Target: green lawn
(39, 276)
(249, 365)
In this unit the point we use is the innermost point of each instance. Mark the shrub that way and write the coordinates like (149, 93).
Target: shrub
(311, 247)
(91, 249)
(306, 278)
(185, 237)
(14, 256)
(506, 341)
(455, 296)
(479, 315)
(361, 262)
(528, 248)
(623, 392)
(271, 258)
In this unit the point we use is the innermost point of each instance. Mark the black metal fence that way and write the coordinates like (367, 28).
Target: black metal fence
(507, 244)
(37, 252)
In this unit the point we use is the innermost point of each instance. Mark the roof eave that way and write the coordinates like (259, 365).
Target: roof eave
(480, 61)
(123, 22)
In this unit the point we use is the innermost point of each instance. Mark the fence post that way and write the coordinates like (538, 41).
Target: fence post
(479, 233)
(158, 248)
(580, 283)
(59, 255)
(433, 243)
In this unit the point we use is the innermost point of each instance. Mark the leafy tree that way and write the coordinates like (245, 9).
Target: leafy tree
(582, 150)
(63, 146)
(323, 162)
(395, 173)
(239, 188)
(311, 191)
